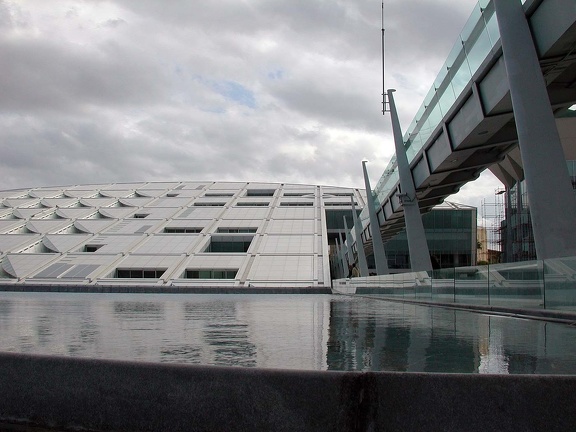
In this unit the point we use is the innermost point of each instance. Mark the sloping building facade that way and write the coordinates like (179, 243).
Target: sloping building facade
(170, 235)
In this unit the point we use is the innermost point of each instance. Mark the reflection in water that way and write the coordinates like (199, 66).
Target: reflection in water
(231, 345)
(395, 358)
(175, 353)
(282, 331)
(138, 310)
(378, 335)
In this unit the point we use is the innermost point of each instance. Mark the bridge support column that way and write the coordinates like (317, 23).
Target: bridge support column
(343, 259)
(348, 243)
(417, 245)
(552, 202)
(359, 244)
(377, 244)
(338, 262)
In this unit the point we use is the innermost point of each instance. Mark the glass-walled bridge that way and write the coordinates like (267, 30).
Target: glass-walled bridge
(468, 120)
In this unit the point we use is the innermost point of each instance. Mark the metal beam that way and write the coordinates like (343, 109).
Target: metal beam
(377, 244)
(417, 245)
(359, 244)
(552, 202)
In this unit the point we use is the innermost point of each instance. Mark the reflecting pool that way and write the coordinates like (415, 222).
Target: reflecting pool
(314, 332)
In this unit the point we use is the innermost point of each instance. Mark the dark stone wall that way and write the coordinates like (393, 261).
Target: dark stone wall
(65, 394)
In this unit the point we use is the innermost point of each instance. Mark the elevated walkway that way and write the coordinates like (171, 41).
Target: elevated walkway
(466, 122)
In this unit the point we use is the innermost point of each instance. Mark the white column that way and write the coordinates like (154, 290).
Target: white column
(552, 202)
(417, 245)
(343, 257)
(348, 244)
(359, 243)
(377, 244)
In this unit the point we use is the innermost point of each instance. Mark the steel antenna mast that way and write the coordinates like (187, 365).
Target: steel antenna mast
(384, 101)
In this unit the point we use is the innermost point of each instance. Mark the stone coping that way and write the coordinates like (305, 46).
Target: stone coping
(70, 394)
(150, 289)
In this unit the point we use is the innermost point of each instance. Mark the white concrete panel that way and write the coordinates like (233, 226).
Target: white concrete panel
(287, 244)
(170, 202)
(282, 268)
(123, 193)
(117, 212)
(75, 213)
(7, 225)
(64, 242)
(98, 202)
(200, 213)
(21, 265)
(293, 213)
(10, 242)
(25, 213)
(45, 226)
(58, 202)
(133, 226)
(243, 213)
(93, 225)
(45, 193)
(216, 261)
(161, 185)
(21, 202)
(167, 244)
(114, 244)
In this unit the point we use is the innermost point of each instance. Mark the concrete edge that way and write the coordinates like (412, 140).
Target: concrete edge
(162, 289)
(96, 395)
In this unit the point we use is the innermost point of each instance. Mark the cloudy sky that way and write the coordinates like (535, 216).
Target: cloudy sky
(98, 91)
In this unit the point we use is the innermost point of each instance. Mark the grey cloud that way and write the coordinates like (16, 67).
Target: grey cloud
(341, 106)
(126, 95)
(5, 18)
(113, 23)
(38, 74)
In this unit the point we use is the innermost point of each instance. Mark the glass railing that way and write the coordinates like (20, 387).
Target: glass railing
(547, 284)
(475, 43)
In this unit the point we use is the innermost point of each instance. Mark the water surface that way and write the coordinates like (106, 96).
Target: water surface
(313, 332)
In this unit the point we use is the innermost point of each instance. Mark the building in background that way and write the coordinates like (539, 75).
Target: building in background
(516, 235)
(451, 235)
(172, 235)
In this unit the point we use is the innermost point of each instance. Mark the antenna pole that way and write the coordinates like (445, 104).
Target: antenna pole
(384, 103)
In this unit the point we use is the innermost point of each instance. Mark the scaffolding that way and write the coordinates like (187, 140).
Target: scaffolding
(493, 215)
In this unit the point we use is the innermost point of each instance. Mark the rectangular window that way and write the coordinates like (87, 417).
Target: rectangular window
(260, 192)
(297, 204)
(252, 204)
(209, 204)
(229, 243)
(139, 273)
(182, 230)
(237, 230)
(92, 248)
(339, 204)
(211, 274)
(296, 194)
(141, 215)
(172, 195)
(218, 194)
(335, 218)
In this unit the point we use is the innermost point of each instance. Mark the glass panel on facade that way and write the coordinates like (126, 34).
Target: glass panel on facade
(211, 274)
